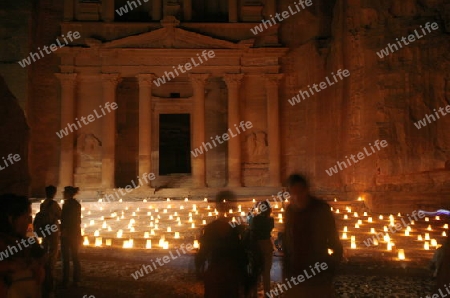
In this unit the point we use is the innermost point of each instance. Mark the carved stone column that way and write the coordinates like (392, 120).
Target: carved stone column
(108, 10)
(156, 10)
(109, 82)
(270, 8)
(273, 128)
(145, 123)
(69, 10)
(66, 157)
(232, 11)
(233, 82)
(187, 10)
(198, 127)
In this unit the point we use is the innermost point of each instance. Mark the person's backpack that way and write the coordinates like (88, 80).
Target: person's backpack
(42, 219)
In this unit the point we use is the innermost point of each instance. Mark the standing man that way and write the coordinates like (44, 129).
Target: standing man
(221, 248)
(310, 231)
(50, 242)
(70, 235)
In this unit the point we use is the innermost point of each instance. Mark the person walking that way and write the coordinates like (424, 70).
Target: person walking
(22, 259)
(70, 236)
(310, 230)
(51, 242)
(262, 226)
(222, 250)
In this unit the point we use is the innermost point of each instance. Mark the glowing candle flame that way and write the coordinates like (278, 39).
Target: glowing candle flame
(98, 241)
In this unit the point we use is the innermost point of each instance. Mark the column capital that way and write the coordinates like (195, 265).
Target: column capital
(199, 79)
(233, 79)
(273, 79)
(67, 78)
(111, 79)
(145, 79)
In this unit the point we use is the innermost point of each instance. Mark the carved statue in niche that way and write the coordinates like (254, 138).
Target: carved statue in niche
(257, 148)
(446, 17)
(88, 146)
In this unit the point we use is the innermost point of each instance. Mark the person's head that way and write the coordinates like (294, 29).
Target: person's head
(225, 200)
(15, 215)
(50, 192)
(298, 188)
(264, 208)
(70, 192)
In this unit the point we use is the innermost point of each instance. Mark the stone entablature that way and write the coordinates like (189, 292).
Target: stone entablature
(236, 68)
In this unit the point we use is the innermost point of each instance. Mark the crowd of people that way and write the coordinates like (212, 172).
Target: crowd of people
(28, 271)
(239, 257)
(231, 262)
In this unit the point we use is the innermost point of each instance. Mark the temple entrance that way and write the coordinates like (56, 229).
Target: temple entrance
(174, 144)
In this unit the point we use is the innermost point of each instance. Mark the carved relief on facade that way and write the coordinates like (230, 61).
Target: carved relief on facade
(257, 147)
(88, 147)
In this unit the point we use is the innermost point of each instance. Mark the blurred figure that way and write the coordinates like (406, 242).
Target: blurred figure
(221, 249)
(310, 231)
(443, 257)
(50, 242)
(262, 226)
(70, 235)
(21, 258)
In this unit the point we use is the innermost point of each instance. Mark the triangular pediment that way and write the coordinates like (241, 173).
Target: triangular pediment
(171, 37)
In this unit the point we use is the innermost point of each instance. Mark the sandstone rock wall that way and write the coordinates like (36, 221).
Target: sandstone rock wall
(381, 99)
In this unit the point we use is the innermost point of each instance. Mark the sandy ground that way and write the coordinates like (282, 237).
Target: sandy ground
(107, 273)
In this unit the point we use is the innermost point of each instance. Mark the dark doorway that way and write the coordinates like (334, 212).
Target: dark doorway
(127, 132)
(174, 144)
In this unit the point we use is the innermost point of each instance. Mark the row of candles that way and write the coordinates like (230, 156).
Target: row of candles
(169, 222)
(428, 243)
(164, 219)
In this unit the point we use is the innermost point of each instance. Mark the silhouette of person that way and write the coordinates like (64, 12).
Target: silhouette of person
(262, 226)
(50, 243)
(443, 263)
(222, 250)
(22, 268)
(70, 235)
(310, 230)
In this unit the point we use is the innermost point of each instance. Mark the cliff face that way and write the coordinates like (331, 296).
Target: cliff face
(14, 134)
(382, 99)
